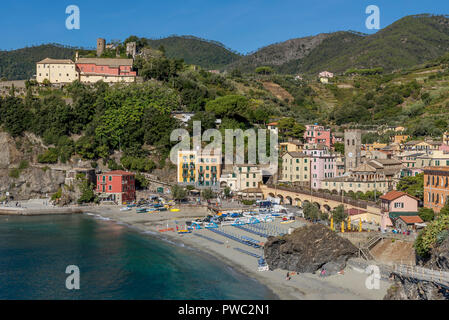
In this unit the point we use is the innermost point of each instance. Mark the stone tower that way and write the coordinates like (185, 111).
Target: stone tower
(101, 44)
(353, 147)
(131, 49)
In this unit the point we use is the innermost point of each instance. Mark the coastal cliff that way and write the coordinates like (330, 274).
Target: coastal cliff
(19, 174)
(406, 288)
(309, 249)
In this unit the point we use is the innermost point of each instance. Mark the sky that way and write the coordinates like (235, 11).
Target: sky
(242, 25)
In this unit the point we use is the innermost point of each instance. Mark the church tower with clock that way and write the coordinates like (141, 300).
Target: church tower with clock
(353, 147)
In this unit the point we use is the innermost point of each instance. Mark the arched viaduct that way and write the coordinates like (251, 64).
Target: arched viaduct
(326, 202)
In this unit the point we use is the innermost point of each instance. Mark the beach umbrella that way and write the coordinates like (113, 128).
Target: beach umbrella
(342, 227)
(349, 223)
(360, 225)
(332, 223)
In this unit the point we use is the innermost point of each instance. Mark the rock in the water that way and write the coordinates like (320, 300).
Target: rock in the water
(308, 249)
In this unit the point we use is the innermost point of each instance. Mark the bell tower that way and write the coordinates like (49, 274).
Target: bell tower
(353, 147)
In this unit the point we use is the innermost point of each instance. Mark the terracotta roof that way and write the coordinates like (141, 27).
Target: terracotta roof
(392, 195)
(436, 169)
(251, 190)
(272, 124)
(354, 211)
(364, 168)
(119, 173)
(111, 62)
(411, 219)
(295, 154)
(56, 61)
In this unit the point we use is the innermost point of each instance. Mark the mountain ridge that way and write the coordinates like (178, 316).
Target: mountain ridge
(409, 41)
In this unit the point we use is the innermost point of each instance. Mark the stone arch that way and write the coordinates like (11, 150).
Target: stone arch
(317, 204)
(298, 202)
(289, 200)
(281, 197)
(327, 207)
(223, 184)
(271, 195)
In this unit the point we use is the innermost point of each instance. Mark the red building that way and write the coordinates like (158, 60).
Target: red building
(315, 134)
(118, 186)
(106, 69)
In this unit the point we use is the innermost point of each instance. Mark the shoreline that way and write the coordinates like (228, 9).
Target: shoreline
(350, 286)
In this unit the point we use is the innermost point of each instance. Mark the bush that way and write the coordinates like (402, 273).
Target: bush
(426, 214)
(49, 156)
(23, 165)
(429, 237)
(87, 192)
(14, 173)
(57, 194)
(138, 164)
(248, 202)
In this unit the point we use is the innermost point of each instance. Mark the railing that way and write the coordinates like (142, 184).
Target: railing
(423, 274)
(364, 250)
(356, 203)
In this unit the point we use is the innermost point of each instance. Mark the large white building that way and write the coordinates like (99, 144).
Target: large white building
(56, 71)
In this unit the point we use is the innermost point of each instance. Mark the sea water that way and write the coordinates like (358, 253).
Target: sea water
(115, 262)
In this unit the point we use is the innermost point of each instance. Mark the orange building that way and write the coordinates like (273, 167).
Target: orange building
(436, 187)
(117, 186)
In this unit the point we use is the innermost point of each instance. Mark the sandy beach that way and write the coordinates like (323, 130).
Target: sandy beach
(347, 286)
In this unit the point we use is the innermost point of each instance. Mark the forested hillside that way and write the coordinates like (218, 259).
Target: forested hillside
(97, 122)
(21, 64)
(405, 43)
(204, 53)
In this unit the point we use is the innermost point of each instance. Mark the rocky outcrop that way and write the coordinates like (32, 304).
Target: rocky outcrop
(406, 288)
(439, 258)
(32, 182)
(309, 249)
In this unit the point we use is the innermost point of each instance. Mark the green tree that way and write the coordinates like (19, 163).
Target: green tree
(86, 188)
(339, 214)
(264, 70)
(428, 238)
(426, 214)
(413, 185)
(207, 194)
(311, 211)
(445, 210)
(288, 127)
(227, 192)
(339, 147)
(178, 193)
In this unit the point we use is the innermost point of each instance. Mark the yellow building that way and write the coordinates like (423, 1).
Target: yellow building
(296, 168)
(399, 139)
(200, 170)
(375, 146)
(56, 71)
(291, 146)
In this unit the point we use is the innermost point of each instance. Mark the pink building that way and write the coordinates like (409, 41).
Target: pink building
(395, 204)
(105, 69)
(318, 134)
(398, 201)
(323, 164)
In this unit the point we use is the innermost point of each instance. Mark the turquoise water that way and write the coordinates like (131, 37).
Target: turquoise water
(115, 262)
